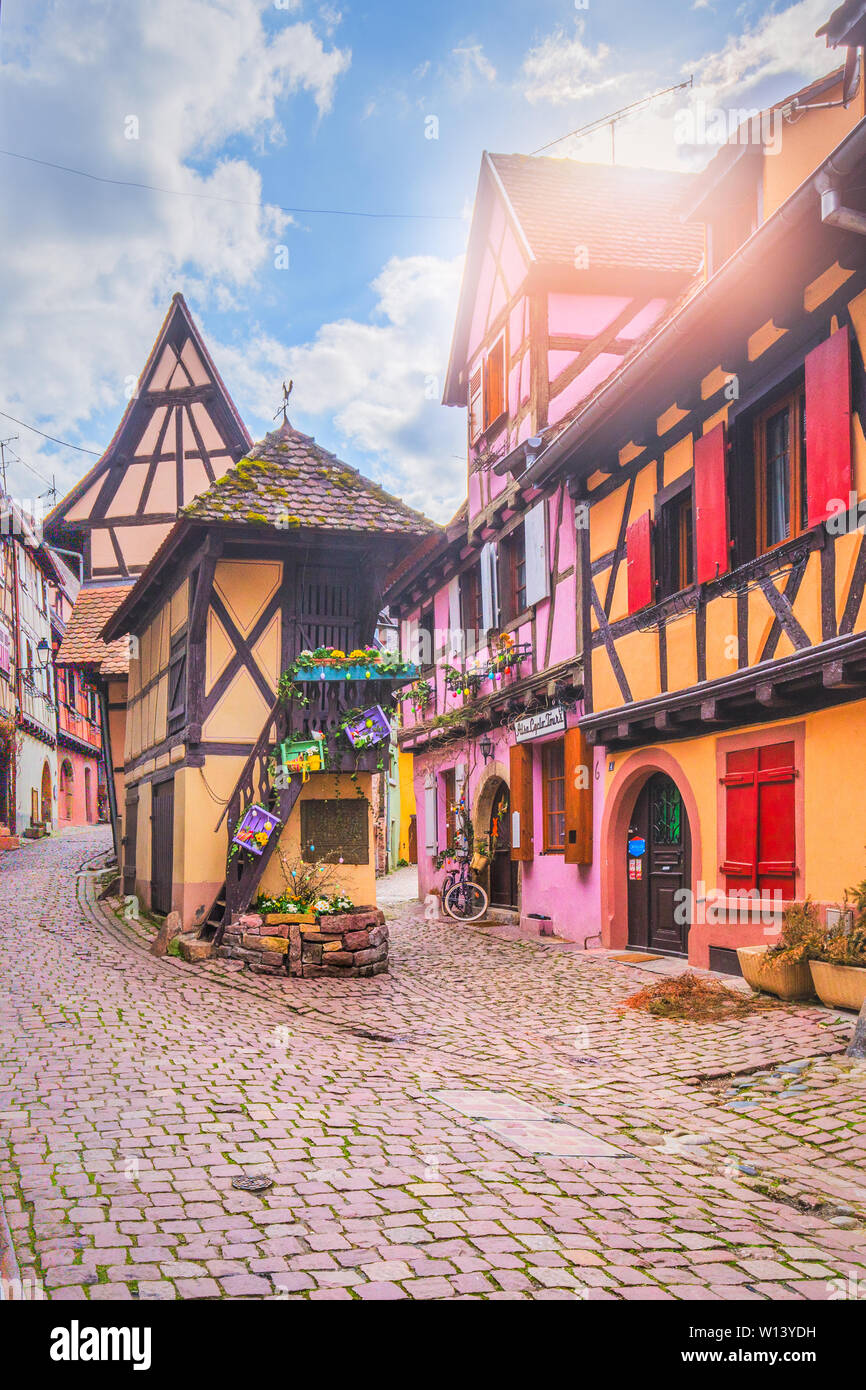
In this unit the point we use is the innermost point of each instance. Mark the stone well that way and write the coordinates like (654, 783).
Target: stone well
(350, 945)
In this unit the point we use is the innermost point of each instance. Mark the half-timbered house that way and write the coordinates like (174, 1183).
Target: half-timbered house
(179, 433)
(569, 268)
(286, 554)
(723, 472)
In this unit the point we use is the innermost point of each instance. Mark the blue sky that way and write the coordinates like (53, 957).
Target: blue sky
(308, 104)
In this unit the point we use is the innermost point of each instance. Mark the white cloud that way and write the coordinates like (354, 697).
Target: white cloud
(781, 42)
(378, 384)
(471, 63)
(562, 68)
(87, 269)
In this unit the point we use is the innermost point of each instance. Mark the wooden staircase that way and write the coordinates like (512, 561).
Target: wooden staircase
(329, 701)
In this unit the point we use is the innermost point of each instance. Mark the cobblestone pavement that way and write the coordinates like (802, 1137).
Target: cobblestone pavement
(482, 1122)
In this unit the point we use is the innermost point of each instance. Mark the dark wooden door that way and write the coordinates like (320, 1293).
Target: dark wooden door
(162, 846)
(658, 867)
(503, 869)
(413, 839)
(130, 834)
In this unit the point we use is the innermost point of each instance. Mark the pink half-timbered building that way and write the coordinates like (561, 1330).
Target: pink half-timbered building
(569, 268)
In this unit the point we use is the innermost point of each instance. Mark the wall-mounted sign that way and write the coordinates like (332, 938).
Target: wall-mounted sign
(256, 829)
(544, 721)
(635, 868)
(637, 848)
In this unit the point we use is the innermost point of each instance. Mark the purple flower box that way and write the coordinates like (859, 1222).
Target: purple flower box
(370, 727)
(257, 822)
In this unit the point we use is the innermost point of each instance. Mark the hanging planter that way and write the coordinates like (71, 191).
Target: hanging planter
(369, 727)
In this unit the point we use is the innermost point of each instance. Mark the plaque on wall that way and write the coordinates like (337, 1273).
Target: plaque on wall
(335, 829)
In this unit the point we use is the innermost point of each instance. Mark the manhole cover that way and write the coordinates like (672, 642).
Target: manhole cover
(258, 1183)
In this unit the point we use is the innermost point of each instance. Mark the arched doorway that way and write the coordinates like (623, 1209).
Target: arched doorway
(47, 795)
(657, 852)
(88, 795)
(67, 783)
(503, 869)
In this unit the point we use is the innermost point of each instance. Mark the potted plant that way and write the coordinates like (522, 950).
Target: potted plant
(783, 969)
(839, 968)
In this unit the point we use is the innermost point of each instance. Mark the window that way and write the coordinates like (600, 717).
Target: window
(760, 825)
(470, 599)
(476, 412)
(513, 566)
(449, 787)
(425, 636)
(494, 383)
(177, 684)
(780, 464)
(675, 544)
(553, 795)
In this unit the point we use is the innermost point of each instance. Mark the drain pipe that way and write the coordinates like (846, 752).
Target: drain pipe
(835, 214)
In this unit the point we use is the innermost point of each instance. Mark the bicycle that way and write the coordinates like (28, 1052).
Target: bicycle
(463, 899)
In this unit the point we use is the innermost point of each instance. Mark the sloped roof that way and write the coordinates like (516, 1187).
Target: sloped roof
(624, 217)
(288, 480)
(82, 644)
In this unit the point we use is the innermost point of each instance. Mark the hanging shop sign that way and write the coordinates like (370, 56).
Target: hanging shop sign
(544, 721)
(371, 726)
(256, 829)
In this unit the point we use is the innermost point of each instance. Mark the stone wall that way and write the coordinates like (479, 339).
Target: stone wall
(350, 945)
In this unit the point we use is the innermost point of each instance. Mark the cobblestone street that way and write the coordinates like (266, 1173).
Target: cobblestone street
(481, 1122)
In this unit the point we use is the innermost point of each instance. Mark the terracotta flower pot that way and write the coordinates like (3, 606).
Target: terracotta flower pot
(781, 978)
(839, 986)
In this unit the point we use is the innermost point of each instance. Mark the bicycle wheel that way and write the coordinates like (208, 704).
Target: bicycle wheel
(466, 902)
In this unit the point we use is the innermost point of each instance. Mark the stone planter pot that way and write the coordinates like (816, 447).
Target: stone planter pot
(781, 978)
(839, 986)
(348, 945)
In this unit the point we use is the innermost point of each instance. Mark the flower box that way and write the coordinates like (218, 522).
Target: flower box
(255, 829)
(329, 671)
(839, 986)
(372, 726)
(785, 980)
(301, 755)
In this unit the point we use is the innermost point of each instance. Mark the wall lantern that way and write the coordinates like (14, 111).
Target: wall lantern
(43, 652)
(486, 746)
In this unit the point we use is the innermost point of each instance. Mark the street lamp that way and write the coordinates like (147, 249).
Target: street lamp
(43, 652)
(486, 746)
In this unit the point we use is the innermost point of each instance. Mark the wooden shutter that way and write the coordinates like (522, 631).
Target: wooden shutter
(578, 798)
(476, 413)
(535, 541)
(5, 650)
(740, 865)
(521, 801)
(489, 587)
(776, 819)
(639, 560)
(828, 426)
(459, 802)
(431, 833)
(455, 642)
(494, 383)
(711, 506)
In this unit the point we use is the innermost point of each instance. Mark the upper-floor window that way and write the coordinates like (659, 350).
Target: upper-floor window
(470, 599)
(487, 391)
(426, 632)
(675, 543)
(512, 561)
(780, 470)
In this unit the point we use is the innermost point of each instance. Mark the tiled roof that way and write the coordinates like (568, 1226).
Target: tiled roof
(82, 645)
(624, 217)
(288, 480)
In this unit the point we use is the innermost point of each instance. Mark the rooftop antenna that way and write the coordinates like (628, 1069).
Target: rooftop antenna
(287, 391)
(3, 443)
(612, 118)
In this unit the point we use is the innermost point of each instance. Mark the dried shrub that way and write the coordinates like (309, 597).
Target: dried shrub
(691, 998)
(802, 937)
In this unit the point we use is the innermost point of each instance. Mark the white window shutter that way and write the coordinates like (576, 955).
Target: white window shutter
(489, 587)
(455, 643)
(431, 834)
(515, 830)
(537, 569)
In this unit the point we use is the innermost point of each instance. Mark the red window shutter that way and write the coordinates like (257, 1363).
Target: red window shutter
(828, 425)
(578, 798)
(639, 559)
(740, 865)
(494, 383)
(711, 506)
(776, 820)
(520, 758)
(476, 418)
